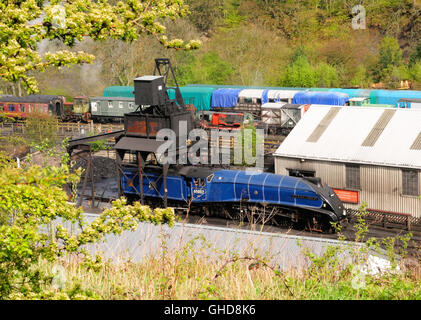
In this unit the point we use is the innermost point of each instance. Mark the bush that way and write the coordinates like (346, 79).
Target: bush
(33, 205)
(41, 129)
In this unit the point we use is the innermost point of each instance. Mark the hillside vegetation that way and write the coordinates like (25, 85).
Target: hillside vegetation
(309, 43)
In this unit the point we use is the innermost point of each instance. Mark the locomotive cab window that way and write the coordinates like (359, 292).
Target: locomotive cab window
(301, 173)
(210, 177)
(198, 182)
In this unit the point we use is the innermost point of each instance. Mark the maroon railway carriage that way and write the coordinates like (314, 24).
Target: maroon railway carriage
(22, 107)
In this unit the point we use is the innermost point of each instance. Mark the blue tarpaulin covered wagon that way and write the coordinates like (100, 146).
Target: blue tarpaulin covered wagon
(326, 98)
(225, 98)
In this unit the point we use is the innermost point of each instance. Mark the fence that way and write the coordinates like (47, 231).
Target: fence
(64, 129)
(388, 220)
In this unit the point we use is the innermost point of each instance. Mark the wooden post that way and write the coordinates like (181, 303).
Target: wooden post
(92, 180)
(165, 169)
(84, 183)
(140, 168)
(119, 160)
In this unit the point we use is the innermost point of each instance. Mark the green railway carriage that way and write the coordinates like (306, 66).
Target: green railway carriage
(106, 109)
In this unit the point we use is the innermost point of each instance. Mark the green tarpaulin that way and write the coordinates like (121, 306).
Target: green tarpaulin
(199, 96)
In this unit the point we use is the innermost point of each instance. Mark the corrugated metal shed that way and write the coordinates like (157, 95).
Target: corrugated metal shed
(342, 140)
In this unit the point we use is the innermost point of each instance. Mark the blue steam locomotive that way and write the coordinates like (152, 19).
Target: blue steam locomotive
(216, 192)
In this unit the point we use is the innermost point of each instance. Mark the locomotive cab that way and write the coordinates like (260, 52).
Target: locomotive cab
(198, 189)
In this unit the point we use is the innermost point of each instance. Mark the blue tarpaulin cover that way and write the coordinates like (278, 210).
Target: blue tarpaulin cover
(320, 97)
(265, 98)
(225, 98)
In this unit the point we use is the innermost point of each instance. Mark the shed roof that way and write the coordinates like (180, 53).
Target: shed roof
(344, 136)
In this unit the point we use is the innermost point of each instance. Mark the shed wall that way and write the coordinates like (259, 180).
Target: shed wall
(381, 187)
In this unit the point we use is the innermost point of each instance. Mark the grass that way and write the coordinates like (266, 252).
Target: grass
(192, 273)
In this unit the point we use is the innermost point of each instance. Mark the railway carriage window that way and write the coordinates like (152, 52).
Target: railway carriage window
(94, 106)
(131, 105)
(352, 173)
(120, 104)
(1, 107)
(110, 105)
(11, 107)
(410, 184)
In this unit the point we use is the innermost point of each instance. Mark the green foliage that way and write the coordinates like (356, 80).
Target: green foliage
(328, 277)
(326, 76)
(33, 200)
(300, 73)
(250, 141)
(41, 130)
(389, 60)
(415, 72)
(24, 24)
(415, 55)
(232, 16)
(360, 78)
(205, 13)
(98, 144)
(208, 68)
